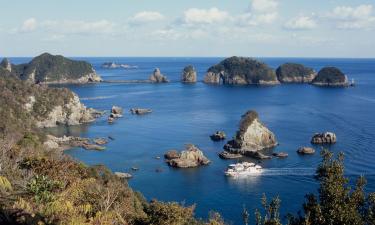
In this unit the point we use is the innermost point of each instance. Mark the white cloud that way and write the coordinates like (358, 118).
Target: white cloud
(196, 16)
(261, 12)
(146, 17)
(29, 25)
(264, 6)
(79, 27)
(300, 23)
(353, 17)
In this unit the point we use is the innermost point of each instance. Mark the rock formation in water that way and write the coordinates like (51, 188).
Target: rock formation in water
(241, 70)
(157, 77)
(295, 73)
(324, 138)
(251, 137)
(189, 75)
(71, 112)
(331, 76)
(68, 142)
(116, 112)
(140, 111)
(305, 151)
(218, 136)
(47, 68)
(192, 156)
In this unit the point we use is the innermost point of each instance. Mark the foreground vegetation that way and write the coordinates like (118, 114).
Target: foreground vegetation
(39, 186)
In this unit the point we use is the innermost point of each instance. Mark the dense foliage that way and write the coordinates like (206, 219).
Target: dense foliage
(47, 68)
(330, 75)
(251, 70)
(293, 70)
(337, 202)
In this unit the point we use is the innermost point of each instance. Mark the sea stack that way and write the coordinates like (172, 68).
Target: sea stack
(295, 73)
(241, 71)
(158, 77)
(251, 137)
(189, 75)
(331, 76)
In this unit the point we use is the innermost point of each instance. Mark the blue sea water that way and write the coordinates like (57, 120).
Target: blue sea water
(189, 113)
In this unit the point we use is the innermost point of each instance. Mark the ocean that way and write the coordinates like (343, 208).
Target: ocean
(189, 113)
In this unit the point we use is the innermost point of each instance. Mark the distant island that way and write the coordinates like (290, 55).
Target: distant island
(51, 69)
(244, 71)
(112, 65)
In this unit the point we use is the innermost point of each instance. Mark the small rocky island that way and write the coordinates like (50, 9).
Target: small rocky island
(251, 137)
(189, 75)
(51, 69)
(295, 73)
(241, 71)
(192, 156)
(158, 77)
(324, 138)
(331, 76)
(218, 136)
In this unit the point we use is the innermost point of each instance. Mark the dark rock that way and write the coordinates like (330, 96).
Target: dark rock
(241, 70)
(171, 154)
(331, 76)
(324, 138)
(295, 73)
(218, 136)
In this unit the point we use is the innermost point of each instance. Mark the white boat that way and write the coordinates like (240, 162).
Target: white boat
(243, 169)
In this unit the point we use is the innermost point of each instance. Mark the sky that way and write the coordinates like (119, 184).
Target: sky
(188, 28)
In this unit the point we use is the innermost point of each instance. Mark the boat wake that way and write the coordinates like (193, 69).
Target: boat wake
(288, 172)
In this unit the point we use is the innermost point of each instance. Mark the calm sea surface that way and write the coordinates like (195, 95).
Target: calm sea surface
(190, 113)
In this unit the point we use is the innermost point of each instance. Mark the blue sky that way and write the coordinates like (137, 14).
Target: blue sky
(259, 28)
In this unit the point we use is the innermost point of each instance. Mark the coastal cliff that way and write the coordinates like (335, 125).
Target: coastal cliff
(240, 71)
(45, 106)
(295, 73)
(51, 69)
(252, 136)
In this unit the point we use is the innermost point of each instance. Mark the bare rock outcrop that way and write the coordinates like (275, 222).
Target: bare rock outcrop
(218, 136)
(189, 75)
(305, 151)
(68, 142)
(252, 136)
(140, 111)
(192, 156)
(71, 113)
(324, 138)
(158, 77)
